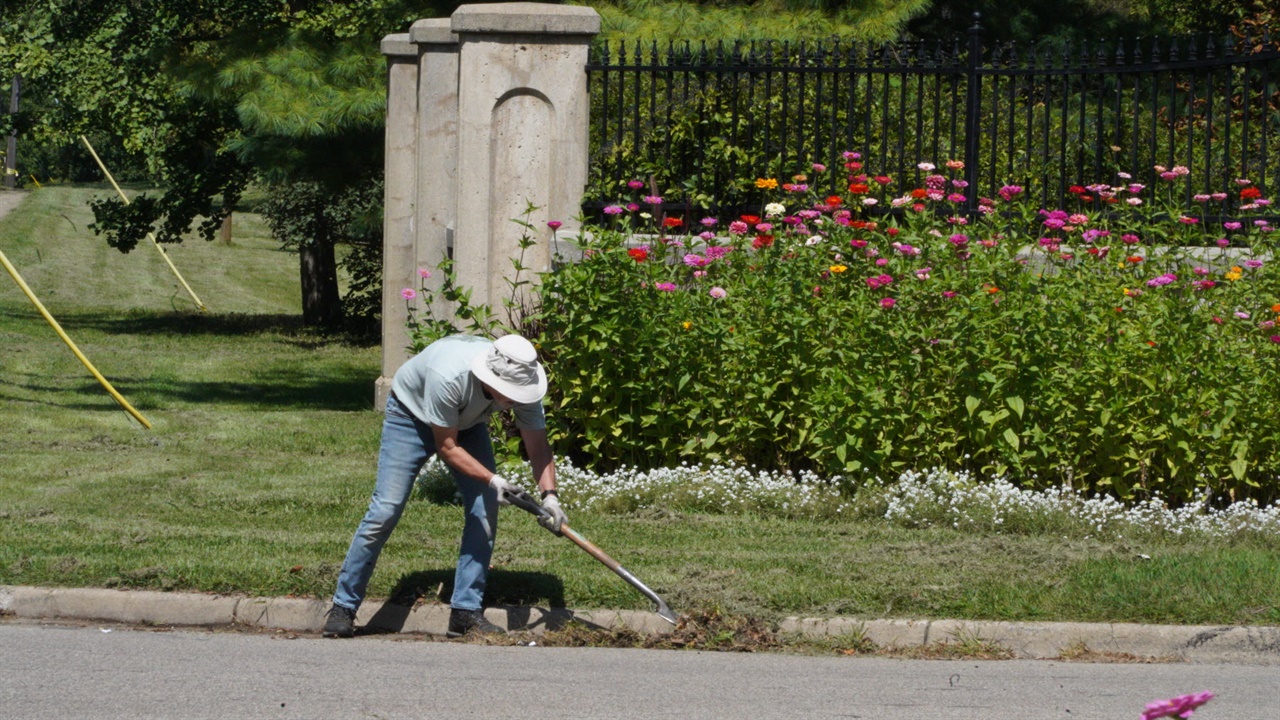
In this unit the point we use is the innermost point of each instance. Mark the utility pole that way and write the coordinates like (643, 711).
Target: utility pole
(11, 148)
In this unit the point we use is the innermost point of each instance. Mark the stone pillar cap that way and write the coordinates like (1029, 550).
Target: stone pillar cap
(398, 44)
(433, 31)
(526, 17)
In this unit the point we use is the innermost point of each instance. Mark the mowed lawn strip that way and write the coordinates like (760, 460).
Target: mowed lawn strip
(265, 444)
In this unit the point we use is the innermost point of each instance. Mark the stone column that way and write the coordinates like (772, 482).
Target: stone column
(522, 135)
(437, 150)
(398, 242)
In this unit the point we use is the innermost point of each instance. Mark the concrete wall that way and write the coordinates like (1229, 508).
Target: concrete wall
(486, 114)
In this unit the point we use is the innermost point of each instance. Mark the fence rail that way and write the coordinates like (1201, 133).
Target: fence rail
(704, 120)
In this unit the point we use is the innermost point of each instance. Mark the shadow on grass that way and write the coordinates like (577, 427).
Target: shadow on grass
(322, 387)
(504, 588)
(190, 323)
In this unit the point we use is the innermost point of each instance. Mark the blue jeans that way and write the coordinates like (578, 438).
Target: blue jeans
(407, 444)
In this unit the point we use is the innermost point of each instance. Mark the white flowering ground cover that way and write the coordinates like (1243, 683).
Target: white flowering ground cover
(930, 499)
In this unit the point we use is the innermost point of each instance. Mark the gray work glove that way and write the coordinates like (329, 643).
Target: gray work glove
(505, 488)
(555, 517)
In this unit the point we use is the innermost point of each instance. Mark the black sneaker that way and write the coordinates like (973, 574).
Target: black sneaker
(462, 622)
(340, 622)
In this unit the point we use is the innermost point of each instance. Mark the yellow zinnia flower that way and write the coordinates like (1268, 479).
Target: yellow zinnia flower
(687, 325)
(766, 183)
(837, 268)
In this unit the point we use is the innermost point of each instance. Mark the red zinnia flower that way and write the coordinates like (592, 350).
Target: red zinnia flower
(638, 254)
(859, 188)
(919, 193)
(833, 200)
(751, 219)
(762, 241)
(1250, 193)
(1075, 189)
(672, 222)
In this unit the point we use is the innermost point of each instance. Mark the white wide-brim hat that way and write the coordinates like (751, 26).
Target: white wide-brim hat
(511, 367)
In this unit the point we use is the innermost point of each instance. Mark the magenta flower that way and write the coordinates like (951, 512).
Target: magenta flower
(948, 294)
(1253, 264)
(1223, 242)
(1162, 280)
(1009, 192)
(652, 199)
(696, 260)
(764, 227)
(1182, 706)
(554, 225)
(665, 287)
(1241, 314)
(958, 240)
(424, 273)
(1275, 338)
(632, 207)
(1200, 270)
(408, 293)
(715, 252)
(613, 210)
(1130, 239)
(737, 227)
(707, 236)
(923, 273)
(717, 293)
(635, 184)
(1231, 225)
(819, 167)
(708, 222)
(887, 302)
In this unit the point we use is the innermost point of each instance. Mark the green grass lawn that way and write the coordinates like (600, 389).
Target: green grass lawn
(263, 451)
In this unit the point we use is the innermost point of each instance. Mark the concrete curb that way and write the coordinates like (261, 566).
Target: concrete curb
(196, 609)
(1258, 645)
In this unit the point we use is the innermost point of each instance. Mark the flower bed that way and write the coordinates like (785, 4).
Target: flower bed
(1122, 343)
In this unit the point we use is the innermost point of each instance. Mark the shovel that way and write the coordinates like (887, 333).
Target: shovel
(525, 502)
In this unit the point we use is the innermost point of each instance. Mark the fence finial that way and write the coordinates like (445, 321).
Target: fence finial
(976, 27)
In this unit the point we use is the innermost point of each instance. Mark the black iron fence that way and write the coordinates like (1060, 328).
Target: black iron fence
(704, 120)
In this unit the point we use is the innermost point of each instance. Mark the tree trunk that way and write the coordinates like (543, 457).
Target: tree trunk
(319, 267)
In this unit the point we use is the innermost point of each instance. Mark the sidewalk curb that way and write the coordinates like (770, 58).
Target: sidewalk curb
(1259, 645)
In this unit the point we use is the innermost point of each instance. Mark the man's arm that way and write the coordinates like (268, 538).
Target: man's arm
(540, 458)
(457, 457)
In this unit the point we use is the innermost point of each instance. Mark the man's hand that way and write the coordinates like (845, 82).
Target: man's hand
(505, 488)
(555, 517)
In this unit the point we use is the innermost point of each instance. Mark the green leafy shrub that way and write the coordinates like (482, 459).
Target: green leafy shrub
(1110, 344)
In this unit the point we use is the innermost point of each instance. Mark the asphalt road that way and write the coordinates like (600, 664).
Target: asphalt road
(58, 671)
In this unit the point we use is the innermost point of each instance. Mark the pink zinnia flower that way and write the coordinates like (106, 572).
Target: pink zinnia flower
(635, 184)
(696, 260)
(1009, 192)
(887, 302)
(1231, 225)
(1223, 242)
(1275, 338)
(1182, 706)
(708, 221)
(652, 199)
(665, 287)
(554, 224)
(737, 227)
(717, 293)
(424, 273)
(948, 294)
(408, 293)
(613, 210)
(1253, 264)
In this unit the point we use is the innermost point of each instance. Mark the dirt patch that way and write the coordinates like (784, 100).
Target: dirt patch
(10, 199)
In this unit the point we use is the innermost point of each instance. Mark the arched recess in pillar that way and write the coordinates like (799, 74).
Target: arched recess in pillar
(522, 154)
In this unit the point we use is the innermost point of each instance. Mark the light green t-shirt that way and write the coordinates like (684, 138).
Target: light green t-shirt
(437, 387)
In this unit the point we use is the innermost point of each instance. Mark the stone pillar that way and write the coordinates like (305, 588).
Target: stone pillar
(437, 150)
(398, 241)
(486, 113)
(522, 135)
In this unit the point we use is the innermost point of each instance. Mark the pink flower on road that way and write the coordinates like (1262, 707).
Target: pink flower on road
(718, 293)
(408, 293)
(887, 302)
(1182, 706)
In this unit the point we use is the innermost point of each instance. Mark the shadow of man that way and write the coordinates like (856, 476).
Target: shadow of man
(519, 592)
